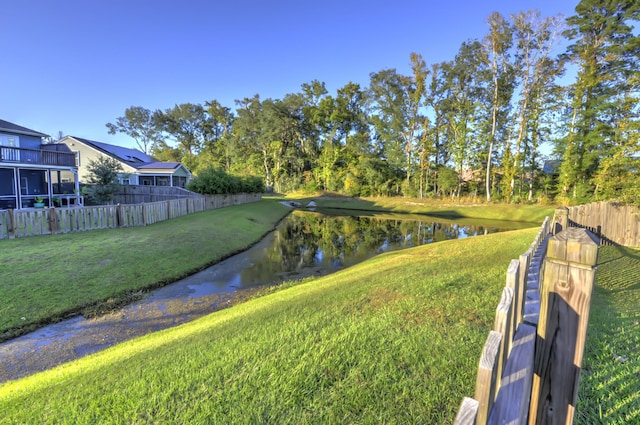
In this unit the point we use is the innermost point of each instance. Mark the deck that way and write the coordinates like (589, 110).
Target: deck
(36, 156)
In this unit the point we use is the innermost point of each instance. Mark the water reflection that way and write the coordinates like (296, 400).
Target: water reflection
(313, 243)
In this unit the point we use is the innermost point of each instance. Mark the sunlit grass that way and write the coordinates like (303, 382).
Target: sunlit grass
(45, 278)
(439, 208)
(395, 339)
(609, 391)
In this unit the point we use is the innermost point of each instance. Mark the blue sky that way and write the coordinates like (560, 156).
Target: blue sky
(74, 65)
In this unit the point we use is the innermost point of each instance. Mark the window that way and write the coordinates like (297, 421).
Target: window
(179, 181)
(147, 181)
(34, 182)
(62, 182)
(9, 140)
(125, 181)
(7, 182)
(8, 197)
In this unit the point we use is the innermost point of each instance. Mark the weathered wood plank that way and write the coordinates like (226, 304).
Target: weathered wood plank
(3, 224)
(565, 295)
(562, 220)
(467, 413)
(31, 228)
(512, 401)
(11, 224)
(513, 282)
(487, 375)
(504, 324)
(525, 260)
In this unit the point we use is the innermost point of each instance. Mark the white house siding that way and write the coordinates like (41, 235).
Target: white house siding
(87, 154)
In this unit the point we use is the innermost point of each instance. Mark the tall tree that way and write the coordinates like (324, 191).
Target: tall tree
(436, 100)
(390, 94)
(605, 47)
(417, 124)
(248, 132)
(272, 130)
(466, 77)
(187, 124)
(535, 39)
(497, 45)
(218, 146)
(137, 123)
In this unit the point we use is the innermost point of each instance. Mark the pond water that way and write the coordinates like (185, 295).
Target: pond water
(317, 243)
(304, 244)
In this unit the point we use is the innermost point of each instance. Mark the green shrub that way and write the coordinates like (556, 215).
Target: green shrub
(215, 181)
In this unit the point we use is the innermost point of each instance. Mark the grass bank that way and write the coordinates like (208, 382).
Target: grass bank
(609, 391)
(436, 208)
(46, 278)
(395, 339)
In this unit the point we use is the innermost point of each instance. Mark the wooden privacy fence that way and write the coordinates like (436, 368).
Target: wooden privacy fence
(530, 364)
(614, 224)
(47, 221)
(139, 194)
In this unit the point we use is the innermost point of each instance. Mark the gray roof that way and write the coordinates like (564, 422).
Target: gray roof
(551, 166)
(160, 165)
(18, 129)
(132, 157)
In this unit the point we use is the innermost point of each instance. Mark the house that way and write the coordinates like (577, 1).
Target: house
(551, 167)
(30, 170)
(138, 167)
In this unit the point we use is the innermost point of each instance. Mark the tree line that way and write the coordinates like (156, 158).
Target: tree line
(474, 124)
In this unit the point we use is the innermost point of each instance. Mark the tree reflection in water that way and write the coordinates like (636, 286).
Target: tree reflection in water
(313, 243)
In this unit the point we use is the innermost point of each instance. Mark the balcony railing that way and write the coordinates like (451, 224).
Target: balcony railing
(36, 156)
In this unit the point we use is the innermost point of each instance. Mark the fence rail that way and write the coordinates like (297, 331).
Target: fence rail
(47, 221)
(37, 156)
(530, 364)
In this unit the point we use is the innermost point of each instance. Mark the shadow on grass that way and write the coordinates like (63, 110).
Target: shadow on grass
(336, 201)
(608, 385)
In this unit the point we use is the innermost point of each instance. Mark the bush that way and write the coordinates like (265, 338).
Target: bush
(253, 184)
(214, 182)
(103, 180)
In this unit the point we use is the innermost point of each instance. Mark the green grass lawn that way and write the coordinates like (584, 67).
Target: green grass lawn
(45, 278)
(609, 390)
(395, 339)
(437, 208)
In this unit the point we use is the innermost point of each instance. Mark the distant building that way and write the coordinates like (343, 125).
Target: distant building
(139, 168)
(551, 167)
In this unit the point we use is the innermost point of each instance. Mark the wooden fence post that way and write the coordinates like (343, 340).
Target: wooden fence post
(144, 214)
(562, 220)
(486, 387)
(565, 298)
(52, 218)
(119, 217)
(11, 232)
